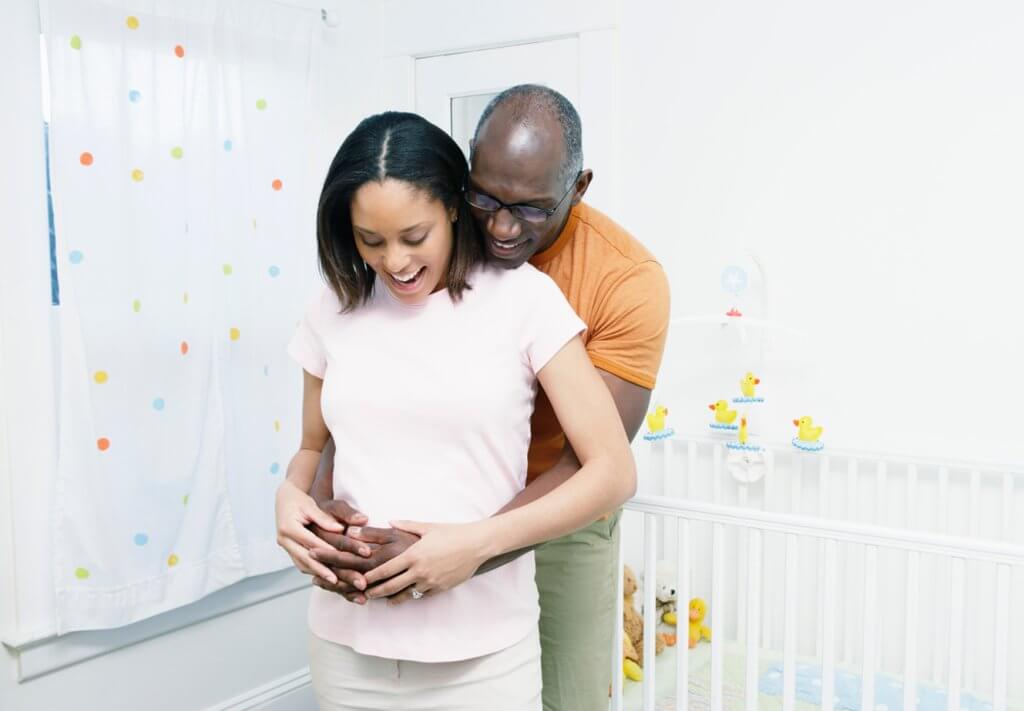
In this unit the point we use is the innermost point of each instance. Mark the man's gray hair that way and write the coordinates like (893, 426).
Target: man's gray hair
(525, 100)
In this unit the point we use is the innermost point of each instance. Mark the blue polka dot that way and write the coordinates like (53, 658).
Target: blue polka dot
(158, 404)
(266, 370)
(76, 257)
(134, 96)
(141, 539)
(274, 271)
(275, 468)
(228, 145)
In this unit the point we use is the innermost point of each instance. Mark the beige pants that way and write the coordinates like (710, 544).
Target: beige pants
(345, 680)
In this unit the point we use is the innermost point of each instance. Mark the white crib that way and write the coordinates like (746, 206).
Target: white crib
(899, 571)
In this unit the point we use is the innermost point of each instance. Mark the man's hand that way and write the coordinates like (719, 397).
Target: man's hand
(358, 550)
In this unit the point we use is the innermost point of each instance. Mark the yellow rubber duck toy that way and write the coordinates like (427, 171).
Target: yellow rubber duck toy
(723, 415)
(749, 384)
(698, 630)
(807, 432)
(656, 419)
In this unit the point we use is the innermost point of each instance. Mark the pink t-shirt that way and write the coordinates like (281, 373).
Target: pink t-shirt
(429, 407)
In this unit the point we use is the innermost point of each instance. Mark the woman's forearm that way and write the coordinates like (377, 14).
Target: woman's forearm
(302, 468)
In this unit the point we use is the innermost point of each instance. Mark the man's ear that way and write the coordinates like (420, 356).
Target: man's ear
(582, 183)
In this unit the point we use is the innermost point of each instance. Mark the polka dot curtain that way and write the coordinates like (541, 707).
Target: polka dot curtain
(185, 217)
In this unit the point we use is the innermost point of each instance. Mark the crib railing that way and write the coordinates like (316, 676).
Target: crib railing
(827, 547)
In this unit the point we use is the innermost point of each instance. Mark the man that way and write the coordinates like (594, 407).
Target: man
(526, 187)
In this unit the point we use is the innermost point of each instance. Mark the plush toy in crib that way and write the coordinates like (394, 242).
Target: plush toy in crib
(725, 419)
(665, 594)
(698, 630)
(633, 624)
(807, 436)
(656, 429)
(748, 390)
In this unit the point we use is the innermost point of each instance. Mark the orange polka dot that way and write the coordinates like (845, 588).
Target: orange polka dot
(184, 347)
(103, 444)
(277, 185)
(85, 158)
(179, 51)
(235, 334)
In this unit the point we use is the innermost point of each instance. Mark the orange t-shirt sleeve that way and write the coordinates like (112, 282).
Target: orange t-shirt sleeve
(628, 335)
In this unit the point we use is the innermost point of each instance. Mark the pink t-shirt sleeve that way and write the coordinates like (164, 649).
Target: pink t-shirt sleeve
(551, 323)
(306, 347)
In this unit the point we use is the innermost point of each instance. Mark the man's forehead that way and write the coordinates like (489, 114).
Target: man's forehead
(517, 152)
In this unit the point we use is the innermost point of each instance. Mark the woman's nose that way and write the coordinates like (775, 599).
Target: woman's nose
(396, 260)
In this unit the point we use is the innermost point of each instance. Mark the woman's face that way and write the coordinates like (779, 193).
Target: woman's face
(405, 235)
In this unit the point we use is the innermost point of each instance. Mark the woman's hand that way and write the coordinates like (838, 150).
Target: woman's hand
(294, 511)
(446, 555)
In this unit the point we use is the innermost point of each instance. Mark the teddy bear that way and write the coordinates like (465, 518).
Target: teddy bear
(633, 623)
(665, 594)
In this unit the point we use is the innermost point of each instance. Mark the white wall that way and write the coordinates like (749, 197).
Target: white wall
(870, 154)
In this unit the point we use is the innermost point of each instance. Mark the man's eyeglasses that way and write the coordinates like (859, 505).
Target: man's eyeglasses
(526, 213)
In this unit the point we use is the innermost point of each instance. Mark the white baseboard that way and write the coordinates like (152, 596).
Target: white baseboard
(292, 692)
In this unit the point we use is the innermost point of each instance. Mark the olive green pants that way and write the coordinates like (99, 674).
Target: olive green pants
(576, 578)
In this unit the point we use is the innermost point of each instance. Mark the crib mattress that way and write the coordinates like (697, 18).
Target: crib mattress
(888, 696)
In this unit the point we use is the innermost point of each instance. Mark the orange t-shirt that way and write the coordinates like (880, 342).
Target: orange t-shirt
(620, 291)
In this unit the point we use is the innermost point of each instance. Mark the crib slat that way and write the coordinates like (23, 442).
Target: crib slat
(852, 508)
(973, 641)
(766, 591)
(912, 502)
(682, 613)
(941, 565)
(823, 508)
(717, 615)
(617, 637)
(796, 482)
(691, 468)
(910, 635)
(743, 546)
(789, 635)
(956, 632)
(870, 624)
(650, 625)
(1006, 528)
(716, 474)
(828, 640)
(1002, 637)
(753, 611)
(881, 493)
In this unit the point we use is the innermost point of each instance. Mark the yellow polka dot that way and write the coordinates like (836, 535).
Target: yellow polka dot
(227, 269)
(136, 306)
(184, 298)
(172, 560)
(100, 376)
(235, 334)
(81, 573)
(277, 425)
(184, 500)
(177, 152)
(137, 175)
(132, 22)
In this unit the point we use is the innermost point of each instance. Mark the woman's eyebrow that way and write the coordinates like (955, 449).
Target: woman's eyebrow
(405, 231)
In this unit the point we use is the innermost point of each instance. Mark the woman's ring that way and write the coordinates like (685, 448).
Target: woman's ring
(416, 594)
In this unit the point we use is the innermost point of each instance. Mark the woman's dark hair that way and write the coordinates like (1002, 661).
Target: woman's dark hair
(405, 147)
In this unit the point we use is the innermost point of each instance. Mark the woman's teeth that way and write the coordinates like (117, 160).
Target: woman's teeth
(407, 279)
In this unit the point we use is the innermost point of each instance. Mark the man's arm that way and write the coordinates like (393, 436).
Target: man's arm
(631, 401)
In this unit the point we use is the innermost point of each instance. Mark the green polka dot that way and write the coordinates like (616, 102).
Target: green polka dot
(177, 153)
(136, 306)
(76, 43)
(81, 573)
(227, 270)
(261, 104)
(184, 500)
